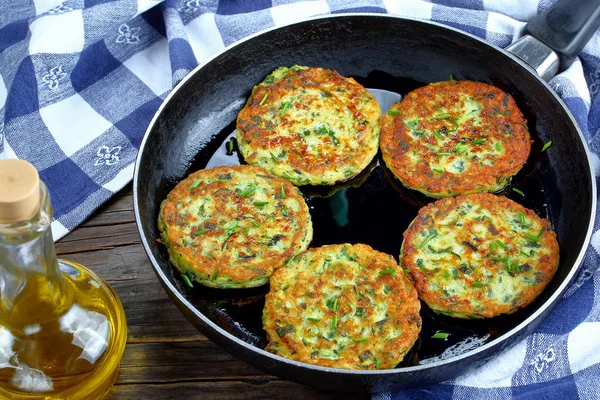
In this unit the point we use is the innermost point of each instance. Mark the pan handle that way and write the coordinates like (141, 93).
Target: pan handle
(553, 39)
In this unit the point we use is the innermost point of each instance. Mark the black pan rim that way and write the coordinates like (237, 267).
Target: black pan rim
(170, 288)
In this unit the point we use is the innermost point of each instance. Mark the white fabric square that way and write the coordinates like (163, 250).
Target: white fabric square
(73, 123)
(583, 351)
(57, 34)
(58, 230)
(497, 372)
(204, 37)
(120, 180)
(8, 152)
(295, 12)
(3, 92)
(518, 9)
(410, 8)
(502, 24)
(145, 5)
(153, 67)
(42, 6)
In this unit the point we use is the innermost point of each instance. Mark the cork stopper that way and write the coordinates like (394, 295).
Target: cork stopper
(19, 190)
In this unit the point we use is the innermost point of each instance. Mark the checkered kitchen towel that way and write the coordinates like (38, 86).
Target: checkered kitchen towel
(81, 79)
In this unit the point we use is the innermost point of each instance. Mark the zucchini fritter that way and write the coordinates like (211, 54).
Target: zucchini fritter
(455, 137)
(231, 227)
(343, 306)
(310, 126)
(479, 255)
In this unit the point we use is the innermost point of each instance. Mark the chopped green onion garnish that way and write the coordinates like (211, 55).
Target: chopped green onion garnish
(518, 191)
(186, 280)
(284, 108)
(439, 171)
(376, 364)
(256, 224)
(444, 153)
(547, 145)
(479, 140)
(261, 204)
(440, 335)
(437, 134)
(263, 99)
(333, 138)
(247, 192)
(498, 146)
(451, 79)
(311, 319)
(493, 247)
(388, 271)
(532, 238)
(514, 265)
(394, 112)
(522, 219)
(201, 232)
(230, 146)
(478, 284)
(428, 238)
(282, 192)
(522, 253)
(195, 184)
(274, 157)
(443, 116)
(406, 270)
(502, 259)
(362, 339)
(501, 244)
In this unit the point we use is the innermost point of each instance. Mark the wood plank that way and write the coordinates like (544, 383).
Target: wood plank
(101, 237)
(248, 389)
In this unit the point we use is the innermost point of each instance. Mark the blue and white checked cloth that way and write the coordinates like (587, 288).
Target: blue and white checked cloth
(81, 79)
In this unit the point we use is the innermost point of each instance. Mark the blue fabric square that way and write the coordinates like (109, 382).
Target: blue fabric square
(470, 21)
(546, 359)
(181, 55)
(570, 312)
(95, 63)
(73, 218)
(135, 124)
(102, 159)
(31, 140)
(563, 389)
(129, 38)
(13, 33)
(69, 186)
(236, 27)
(230, 7)
(22, 98)
(440, 391)
(92, 3)
(109, 103)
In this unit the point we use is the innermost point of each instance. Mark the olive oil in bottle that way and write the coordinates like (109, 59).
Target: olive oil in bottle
(62, 328)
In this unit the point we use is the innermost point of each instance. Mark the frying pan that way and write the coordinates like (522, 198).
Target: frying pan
(387, 55)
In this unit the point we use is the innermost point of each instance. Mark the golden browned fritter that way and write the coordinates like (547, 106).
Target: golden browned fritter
(231, 227)
(479, 255)
(343, 306)
(309, 126)
(455, 137)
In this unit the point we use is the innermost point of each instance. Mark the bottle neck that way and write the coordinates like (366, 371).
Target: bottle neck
(29, 274)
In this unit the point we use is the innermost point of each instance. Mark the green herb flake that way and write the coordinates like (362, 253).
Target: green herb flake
(200, 232)
(335, 140)
(443, 153)
(479, 140)
(186, 280)
(256, 224)
(428, 238)
(311, 319)
(194, 184)
(282, 192)
(501, 244)
(394, 112)
(261, 204)
(360, 312)
(285, 330)
(451, 79)
(478, 284)
(247, 192)
(437, 134)
(274, 157)
(532, 238)
(284, 108)
(230, 146)
(522, 219)
(332, 303)
(376, 364)
(358, 340)
(439, 171)
(546, 146)
(518, 191)
(440, 335)
(263, 99)
(498, 147)
(388, 271)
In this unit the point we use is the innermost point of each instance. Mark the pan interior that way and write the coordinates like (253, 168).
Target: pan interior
(395, 55)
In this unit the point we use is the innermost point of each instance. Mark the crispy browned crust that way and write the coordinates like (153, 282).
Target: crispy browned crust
(468, 257)
(354, 119)
(501, 121)
(218, 253)
(371, 300)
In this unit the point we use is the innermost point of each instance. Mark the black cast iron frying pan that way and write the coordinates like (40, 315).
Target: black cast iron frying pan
(191, 128)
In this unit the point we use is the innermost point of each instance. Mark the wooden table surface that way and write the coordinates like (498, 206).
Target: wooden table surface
(166, 357)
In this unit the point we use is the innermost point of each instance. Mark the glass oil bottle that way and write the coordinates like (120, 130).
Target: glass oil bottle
(62, 329)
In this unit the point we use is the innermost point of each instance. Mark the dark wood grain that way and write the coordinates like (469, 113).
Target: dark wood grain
(166, 357)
